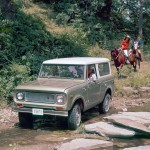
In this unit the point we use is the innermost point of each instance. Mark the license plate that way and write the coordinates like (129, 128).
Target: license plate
(37, 111)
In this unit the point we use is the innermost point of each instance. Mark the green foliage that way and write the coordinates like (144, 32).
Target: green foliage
(82, 15)
(27, 35)
(10, 77)
(5, 40)
(86, 15)
(25, 41)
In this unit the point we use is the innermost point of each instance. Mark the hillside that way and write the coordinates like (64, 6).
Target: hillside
(43, 12)
(35, 30)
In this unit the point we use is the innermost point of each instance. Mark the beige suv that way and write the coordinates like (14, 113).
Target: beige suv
(66, 87)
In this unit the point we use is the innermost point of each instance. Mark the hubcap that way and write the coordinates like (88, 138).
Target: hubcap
(78, 116)
(107, 100)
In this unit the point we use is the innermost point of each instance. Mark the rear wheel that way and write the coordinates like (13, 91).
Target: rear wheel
(25, 119)
(74, 118)
(105, 105)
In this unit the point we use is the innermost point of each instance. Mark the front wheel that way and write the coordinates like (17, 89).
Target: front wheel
(74, 118)
(26, 120)
(105, 105)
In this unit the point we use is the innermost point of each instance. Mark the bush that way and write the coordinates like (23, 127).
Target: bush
(26, 42)
(11, 76)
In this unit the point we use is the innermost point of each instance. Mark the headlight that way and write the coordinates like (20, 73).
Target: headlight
(20, 96)
(60, 99)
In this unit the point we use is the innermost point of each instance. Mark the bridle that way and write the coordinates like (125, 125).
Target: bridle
(117, 55)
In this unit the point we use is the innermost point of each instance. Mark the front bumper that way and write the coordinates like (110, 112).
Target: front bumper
(46, 111)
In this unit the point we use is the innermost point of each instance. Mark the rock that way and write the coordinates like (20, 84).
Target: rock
(2, 120)
(145, 88)
(106, 129)
(31, 147)
(128, 88)
(124, 109)
(88, 144)
(46, 138)
(147, 147)
(143, 115)
(133, 118)
(128, 123)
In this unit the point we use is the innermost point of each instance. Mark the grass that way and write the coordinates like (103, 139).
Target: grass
(129, 78)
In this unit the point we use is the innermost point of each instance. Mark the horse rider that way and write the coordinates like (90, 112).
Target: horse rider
(125, 45)
(139, 44)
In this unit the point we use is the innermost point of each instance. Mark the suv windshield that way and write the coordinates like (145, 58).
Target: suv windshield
(62, 71)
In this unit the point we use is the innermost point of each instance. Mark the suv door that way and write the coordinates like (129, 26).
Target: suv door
(93, 86)
(104, 79)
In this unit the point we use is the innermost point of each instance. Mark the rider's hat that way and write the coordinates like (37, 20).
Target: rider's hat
(127, 36)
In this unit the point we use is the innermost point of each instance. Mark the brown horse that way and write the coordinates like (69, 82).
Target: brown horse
(134, 56)
(119, 59)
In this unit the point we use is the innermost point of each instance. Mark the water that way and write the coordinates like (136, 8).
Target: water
(52, 131)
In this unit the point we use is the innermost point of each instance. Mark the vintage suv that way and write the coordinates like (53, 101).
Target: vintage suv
(66, 87)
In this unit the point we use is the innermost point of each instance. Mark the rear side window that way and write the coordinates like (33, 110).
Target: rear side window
(103, 69)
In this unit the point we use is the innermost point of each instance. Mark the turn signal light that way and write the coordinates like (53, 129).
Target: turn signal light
(59, 108)
(18, 104)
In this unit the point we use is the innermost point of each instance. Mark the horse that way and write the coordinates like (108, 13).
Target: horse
(119, 59)
(134, 58)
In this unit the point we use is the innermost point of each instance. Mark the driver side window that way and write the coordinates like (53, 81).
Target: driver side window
(91, 70)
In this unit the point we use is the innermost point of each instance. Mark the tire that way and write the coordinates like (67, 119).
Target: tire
(105, 105)
(74, 118)
(26, 120)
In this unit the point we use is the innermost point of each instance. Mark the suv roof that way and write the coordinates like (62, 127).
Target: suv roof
(76, 60)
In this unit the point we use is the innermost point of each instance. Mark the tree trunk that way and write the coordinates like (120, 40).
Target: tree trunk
(105, 11)
(141, 20)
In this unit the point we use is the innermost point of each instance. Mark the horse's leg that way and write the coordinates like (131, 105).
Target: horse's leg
(139, 63)
(130, 68)
(118, 71)
(135, 64)
(135, 68)
(121, 66)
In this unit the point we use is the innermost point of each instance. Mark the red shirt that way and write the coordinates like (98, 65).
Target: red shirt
(124, 45)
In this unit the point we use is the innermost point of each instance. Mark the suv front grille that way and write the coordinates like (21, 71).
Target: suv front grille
(39, 97)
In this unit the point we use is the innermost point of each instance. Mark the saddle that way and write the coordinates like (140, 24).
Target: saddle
(136, 53)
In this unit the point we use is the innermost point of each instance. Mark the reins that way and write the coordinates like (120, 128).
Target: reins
(118, 55)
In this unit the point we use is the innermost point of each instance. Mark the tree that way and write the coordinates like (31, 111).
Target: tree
(141, 18)
(105, 11)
